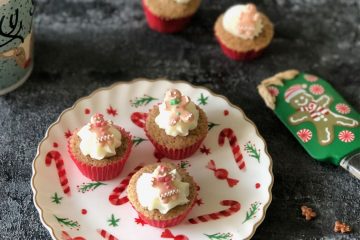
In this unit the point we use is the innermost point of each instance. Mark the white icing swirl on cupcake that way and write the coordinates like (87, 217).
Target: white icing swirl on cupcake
(243, 21)
(177, 114)
(99, 138)
(162, 190)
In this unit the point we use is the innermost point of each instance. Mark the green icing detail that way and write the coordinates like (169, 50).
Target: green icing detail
(174, 101)
(321, 136)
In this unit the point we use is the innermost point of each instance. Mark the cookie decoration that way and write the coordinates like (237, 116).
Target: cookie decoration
(318, 116)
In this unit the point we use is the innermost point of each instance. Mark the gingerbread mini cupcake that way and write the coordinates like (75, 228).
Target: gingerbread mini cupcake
(176, 127)
(162, 194)
(243, 32)
(169, 16)
(100, 149)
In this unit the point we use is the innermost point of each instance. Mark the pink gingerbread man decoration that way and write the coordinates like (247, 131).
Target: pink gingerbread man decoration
(174, 99)
(248, 20)
(164, 181)
(100, 127)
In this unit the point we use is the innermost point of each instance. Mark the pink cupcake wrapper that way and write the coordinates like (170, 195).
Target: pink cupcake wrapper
(175, 154)
(165, 26)
(107, 172)
(237, 55)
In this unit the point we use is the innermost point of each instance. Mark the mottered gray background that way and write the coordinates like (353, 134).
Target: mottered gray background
(82, 45)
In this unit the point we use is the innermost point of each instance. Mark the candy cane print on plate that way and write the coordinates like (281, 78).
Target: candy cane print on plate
(59, 163)
(114, 197)
(139, 118)
(105, 235)
(235, 148)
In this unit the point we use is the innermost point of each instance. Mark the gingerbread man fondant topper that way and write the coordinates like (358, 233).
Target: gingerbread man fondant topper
(164, 181)
(100, 127)
(176, 103)
(248, 20)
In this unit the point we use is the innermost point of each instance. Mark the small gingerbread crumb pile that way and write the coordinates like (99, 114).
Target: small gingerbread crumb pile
(341, 227)
(308, 213)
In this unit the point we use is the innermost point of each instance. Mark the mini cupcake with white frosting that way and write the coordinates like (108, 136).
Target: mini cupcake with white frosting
(162, 194)
(100, 148)
(177, 126)
(243, 32)
(169, 16)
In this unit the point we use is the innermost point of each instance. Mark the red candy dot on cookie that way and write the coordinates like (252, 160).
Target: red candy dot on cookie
(83, 211)
(87, 111)
(257, 185)
(55, 144)
(226, 112)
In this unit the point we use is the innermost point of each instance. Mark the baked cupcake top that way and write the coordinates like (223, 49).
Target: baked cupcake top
(177, 114)
(99, 138)
(173, 9)
(163, 189)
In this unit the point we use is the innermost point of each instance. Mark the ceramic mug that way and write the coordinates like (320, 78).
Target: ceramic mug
(16, 43)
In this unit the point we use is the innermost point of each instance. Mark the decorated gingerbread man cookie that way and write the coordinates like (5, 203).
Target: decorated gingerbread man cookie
(177, 103)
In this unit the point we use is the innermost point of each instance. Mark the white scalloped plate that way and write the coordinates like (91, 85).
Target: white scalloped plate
(86, 212)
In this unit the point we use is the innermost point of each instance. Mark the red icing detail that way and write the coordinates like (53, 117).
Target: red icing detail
(234, 206)
(59, 162)
(346, 136)
(342, 108)
(55, 144)
(66, 236)
(162, 25)
(230, 135)
(140, 221)
(221, 174)
(87, 111)
(68, 134)
(273, 91)
(139, 118)
(226, 112)
(205, 150)
(111, 111)
(83, 211)
(304, 134)
(257, 185)
(316, 89)
(168, 234)
(239, 56)
(105, 235)
(310, 78)
(114, 197)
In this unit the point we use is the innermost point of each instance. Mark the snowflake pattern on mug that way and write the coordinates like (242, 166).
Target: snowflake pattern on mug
(305, 135)
(316, 89)
(273, 91)
(342, 108)
(310, 78)
(346, 136)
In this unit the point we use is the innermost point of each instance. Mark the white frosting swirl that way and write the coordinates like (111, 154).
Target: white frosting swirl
(149, 196)
(89, 144)
(182, 1)
(181, 128)
(232, 22)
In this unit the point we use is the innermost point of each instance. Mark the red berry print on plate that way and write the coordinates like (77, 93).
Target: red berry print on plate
(112, 111)
(87, 111)
(226, 112)
(310, 78)
(273, 91)
(83, 211)
(346, 136)
(68, 134)
(168, 234)
(199, 201)
(304, 134)
(342, 108)
(205, 150)
(55, 144)
(257, 185)
(66, 236)
(316, 89)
